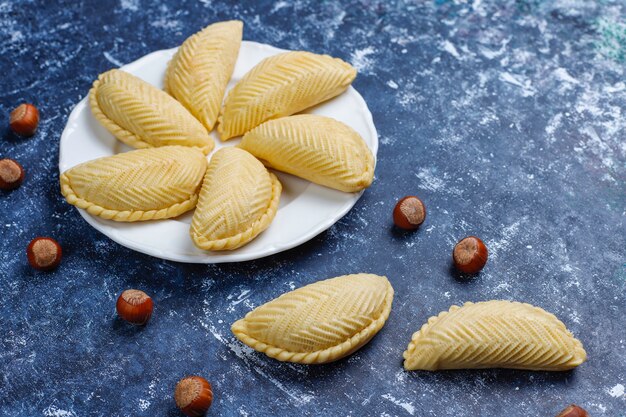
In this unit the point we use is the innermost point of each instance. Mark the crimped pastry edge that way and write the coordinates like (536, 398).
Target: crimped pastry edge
(240, 239)
(580, 353)
(125, 215)
(122, 134)
(327, 355)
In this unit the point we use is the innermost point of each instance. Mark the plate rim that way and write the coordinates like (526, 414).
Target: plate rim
(228, 257)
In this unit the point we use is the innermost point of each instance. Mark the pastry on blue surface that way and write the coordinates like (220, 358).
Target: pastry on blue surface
(321, 322)
(199, 72)
(494, 334)
(142, 116)
(144, 184)
(317, 148)
(282, 85)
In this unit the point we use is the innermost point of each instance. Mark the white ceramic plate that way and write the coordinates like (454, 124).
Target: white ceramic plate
(305, 209)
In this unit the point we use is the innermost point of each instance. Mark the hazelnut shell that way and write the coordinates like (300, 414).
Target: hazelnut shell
(470, 255)
(573, 411)
(44, 253)
(24, 119)
(193, 395)
(11, 174)
(409, 213)
(134, 306)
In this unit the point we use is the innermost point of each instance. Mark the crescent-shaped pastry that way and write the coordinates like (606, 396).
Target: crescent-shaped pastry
(321, 322)
(316, 148)
(142, 116)
(238, 200)
(144, 184)
(282, 85)
(494, 334)
(198, 73)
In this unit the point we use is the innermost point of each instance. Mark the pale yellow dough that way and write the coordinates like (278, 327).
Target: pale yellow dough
(494, 334)
(144, 184)
(316, 148)
(199, 72)
(238, 200)
(282, 85)
(321, 322)
(142, 116)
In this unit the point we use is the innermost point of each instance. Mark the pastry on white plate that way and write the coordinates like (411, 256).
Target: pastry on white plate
(282, 85)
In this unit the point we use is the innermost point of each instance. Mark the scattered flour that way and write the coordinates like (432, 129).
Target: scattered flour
(554, 123)
(54, 411)
(563, 75)
(361, 60)
(451, 49)
(144, 404)
(429, 181)
(112, 60)
(517, 80)
(617, 391)
(132, 5)
(279, 5)
(245, 354)
(508, 233)
(406, 405)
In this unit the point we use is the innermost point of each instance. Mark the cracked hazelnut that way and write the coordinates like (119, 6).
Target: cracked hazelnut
(573, 411)
(24, 119)
(193, 395)
(11, 174)
(470, 255)
(134, 306)
(44, 253)
(409, 213)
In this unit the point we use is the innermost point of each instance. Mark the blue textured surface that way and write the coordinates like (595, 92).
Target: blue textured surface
(505, 117)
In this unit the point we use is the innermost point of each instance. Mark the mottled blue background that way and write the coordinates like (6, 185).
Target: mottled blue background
(506, 117)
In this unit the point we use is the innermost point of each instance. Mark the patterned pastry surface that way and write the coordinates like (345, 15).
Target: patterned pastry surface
(320, 322)
(238, 200)
(143, 184)
(280, 86)
(142, 116)
(494, 334)
(316, 148)
(199, 72)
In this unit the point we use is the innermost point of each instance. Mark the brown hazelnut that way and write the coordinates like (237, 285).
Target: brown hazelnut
(44, 253)
(11, 174)
(24, 119)
(470, 255)
(193, 395)
(573, 411)
(409, 213)
(134, 306)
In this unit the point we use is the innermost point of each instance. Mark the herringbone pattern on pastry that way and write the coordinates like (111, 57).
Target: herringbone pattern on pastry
(145, 184)
(238, 200)
(494, 334)
(199, 72)
(142, 116)
(320, 322)
(316, 148)
(282, 85)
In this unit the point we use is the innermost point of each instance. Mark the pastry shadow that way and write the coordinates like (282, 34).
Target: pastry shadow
(303, 375)
(512, 378)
